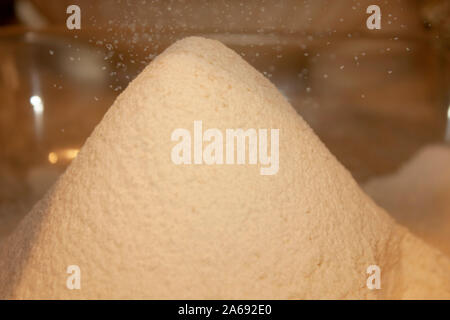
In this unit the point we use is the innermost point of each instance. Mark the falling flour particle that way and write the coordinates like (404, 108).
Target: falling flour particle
(139, 226)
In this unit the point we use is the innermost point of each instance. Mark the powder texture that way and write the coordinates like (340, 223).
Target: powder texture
(139, 226)
(418, 195)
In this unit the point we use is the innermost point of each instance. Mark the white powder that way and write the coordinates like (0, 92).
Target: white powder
(418, 195)
(139, 226)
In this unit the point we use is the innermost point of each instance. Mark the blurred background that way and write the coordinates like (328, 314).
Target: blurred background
(374, 97)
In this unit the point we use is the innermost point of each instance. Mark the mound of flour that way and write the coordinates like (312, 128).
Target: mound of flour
(139, 226)
(418, 195)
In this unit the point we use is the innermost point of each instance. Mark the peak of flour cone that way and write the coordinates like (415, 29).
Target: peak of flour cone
(139, 226)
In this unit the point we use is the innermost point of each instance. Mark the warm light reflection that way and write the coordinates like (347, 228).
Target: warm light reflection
(52, 158)
(71, 153)
(38, 106)
(62, 155)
